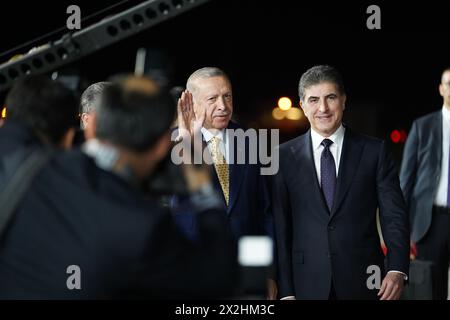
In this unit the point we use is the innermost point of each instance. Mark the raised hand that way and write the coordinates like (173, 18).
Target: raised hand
(190, 121)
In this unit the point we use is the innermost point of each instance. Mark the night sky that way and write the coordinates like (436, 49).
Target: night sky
(391, 75)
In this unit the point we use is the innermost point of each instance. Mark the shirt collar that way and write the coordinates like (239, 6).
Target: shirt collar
(337, 137)
(106, 157)
(207, 135)
(446, 114)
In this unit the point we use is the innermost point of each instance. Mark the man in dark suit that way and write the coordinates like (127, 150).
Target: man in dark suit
(425, 184)
(325, 198)
(207, 106)
(87, 228)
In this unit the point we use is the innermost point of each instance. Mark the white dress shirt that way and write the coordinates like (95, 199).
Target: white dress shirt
(223, 144)
(336, 148)
(441, 194)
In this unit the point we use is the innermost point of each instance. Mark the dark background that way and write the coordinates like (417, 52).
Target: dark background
(391, 75)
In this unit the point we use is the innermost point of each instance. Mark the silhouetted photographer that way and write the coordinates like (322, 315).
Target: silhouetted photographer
(88, 228)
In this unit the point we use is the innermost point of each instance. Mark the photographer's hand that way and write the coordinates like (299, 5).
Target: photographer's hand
(196, 176)
(200, 187)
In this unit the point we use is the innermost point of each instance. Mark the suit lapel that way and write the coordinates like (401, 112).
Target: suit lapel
(303, 154)
(437, 136)
(237, 171)
(348, 165)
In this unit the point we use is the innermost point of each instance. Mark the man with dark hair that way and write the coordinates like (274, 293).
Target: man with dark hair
(325, 199)
(88, 229)
(425, 183)
(40, 112)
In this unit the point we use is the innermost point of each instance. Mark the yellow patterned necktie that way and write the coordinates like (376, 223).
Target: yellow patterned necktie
(221, 167)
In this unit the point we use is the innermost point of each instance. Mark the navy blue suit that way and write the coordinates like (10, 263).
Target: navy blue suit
(317, 246)
(248, 212)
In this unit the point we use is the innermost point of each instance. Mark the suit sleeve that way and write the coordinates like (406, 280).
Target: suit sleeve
(408, 169)
(265, 206)
(393, 214)
(283, 234)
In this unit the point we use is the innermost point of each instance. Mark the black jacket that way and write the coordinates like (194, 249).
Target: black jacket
(421, 171)
(316, 246)
(124, 244)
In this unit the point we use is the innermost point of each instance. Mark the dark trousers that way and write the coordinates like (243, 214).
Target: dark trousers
(332, 294)
(435, 246)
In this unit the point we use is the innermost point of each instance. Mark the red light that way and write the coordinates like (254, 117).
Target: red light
(396, 136)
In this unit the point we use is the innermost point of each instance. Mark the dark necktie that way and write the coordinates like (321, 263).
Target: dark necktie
(327, 172)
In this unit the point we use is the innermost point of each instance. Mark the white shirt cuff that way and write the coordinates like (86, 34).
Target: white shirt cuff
(404, 275)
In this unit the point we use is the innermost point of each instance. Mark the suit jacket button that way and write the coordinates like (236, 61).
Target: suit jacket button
(331, 228)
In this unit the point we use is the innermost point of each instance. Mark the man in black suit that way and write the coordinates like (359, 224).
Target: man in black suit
(87, 227)
(325, 199)
(425, 184)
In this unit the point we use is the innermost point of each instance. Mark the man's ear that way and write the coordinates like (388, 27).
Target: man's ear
(89, 131)
(344, 98)
(441, 89)
(67, 139)
(85, 119)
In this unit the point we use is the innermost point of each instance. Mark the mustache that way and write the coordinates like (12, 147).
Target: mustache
(222, 114)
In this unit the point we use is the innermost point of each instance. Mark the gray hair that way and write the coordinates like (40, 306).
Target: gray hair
(319, 74)
(206, 72)
(90, 97)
